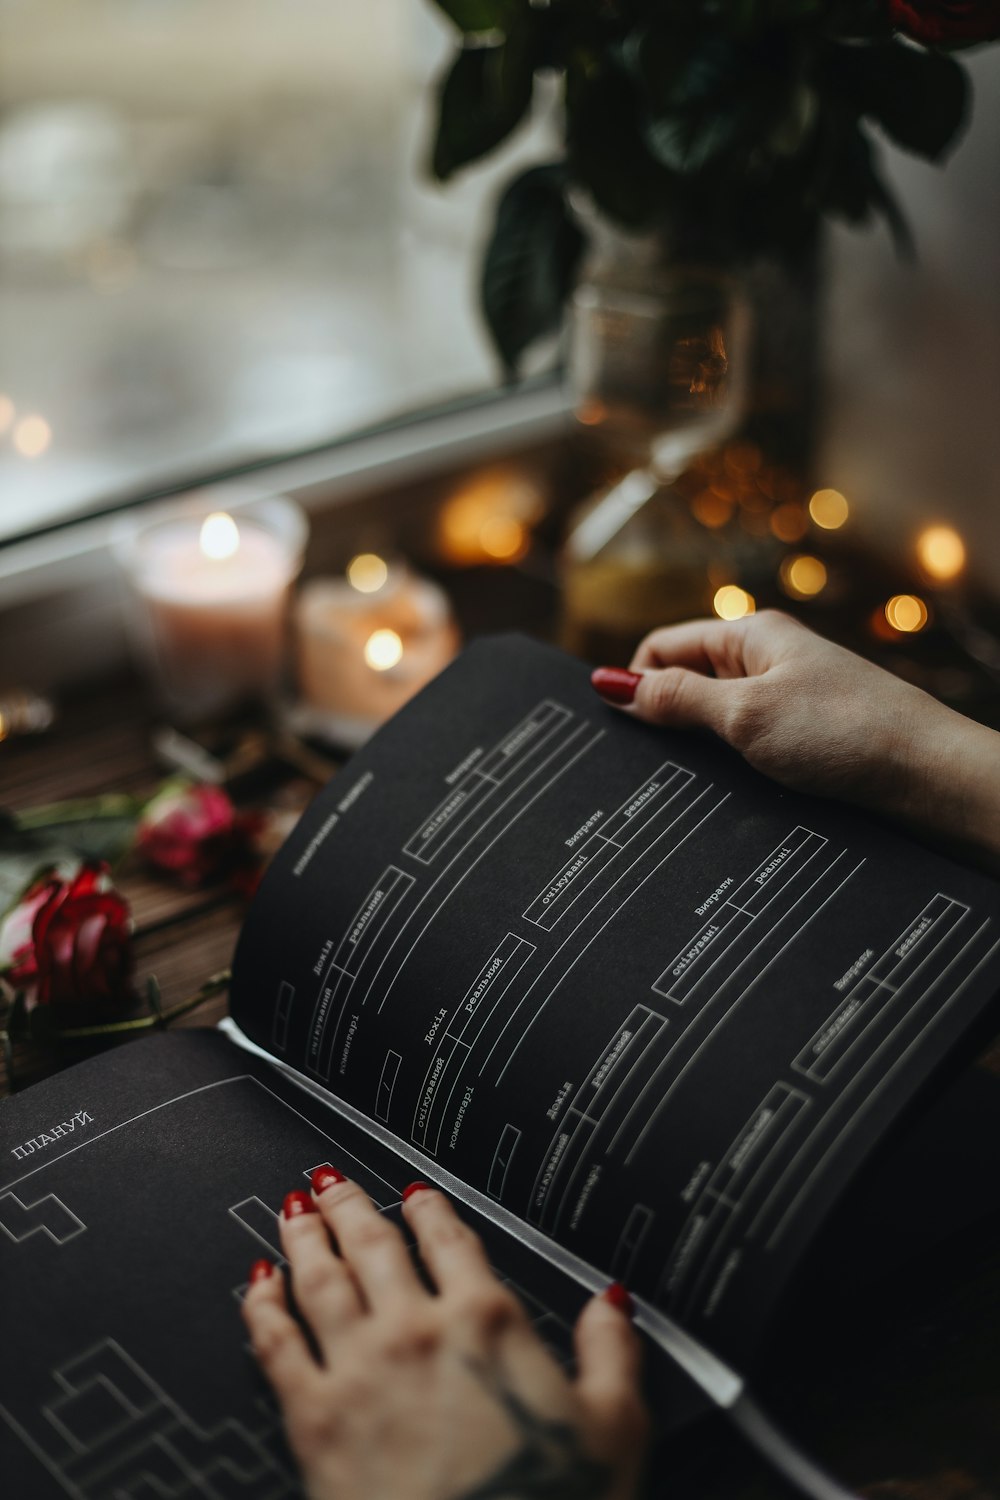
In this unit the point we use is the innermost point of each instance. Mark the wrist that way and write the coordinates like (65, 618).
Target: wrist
(953, 787)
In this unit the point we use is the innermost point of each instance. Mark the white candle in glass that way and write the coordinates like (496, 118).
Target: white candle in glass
(213, 594)
(365, 643)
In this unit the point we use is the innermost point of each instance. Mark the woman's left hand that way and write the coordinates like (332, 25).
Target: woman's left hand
(444, 1395)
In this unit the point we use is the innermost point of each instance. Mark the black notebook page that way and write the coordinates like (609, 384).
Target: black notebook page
(135, 1192)
(643, 998)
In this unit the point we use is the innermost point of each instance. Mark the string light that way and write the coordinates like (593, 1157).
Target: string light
(367, 572)
(219, 537)
(941, 553)
(829, 509)
(383, 649)
(907, 613)
(802, 576)
(788, 523)
(732, 602)
(711, 509)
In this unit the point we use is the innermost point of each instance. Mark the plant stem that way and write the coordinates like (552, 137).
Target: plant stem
(81, 809)
(213, 986)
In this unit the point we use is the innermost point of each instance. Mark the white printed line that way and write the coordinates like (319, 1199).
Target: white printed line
(739, 999)
(880, 1087)
(724, 946)
(178, 1099)
(865, 1005)
(481, 855)
(41, 1455)
(621, 905)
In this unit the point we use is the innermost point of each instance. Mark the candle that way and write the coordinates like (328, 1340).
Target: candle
(365, 643)
(211, 591)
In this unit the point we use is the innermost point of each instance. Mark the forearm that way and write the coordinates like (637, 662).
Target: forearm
(954, 790)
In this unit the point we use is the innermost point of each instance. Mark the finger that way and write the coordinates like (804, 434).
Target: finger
(679, 699)
(708, 646)
(324, 1289)
(276, 1339)
(370, 1244)
(452, 1252)
(609, 1363)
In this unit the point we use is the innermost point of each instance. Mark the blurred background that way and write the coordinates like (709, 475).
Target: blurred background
(223, 252)
(217, 239)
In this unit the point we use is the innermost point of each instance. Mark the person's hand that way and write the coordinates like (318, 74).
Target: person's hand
(816, 717)
(407, 1394)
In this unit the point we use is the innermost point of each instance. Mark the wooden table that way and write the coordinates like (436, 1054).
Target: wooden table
(903, 1402)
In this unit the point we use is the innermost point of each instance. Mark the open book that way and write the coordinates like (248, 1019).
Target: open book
(641, 1011)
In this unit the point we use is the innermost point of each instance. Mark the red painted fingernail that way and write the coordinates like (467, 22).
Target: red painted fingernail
(325, 1177)
(296, 1204)
(614, 684)
(415, 1187)
(619, 1297)
(260, 1271)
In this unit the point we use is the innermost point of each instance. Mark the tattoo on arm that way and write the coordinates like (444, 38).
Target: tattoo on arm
(548, 1463)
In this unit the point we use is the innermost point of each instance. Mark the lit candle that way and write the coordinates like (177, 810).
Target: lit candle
(213, 594)
(365, 643)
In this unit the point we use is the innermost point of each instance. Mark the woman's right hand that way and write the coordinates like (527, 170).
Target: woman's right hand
(816, 717)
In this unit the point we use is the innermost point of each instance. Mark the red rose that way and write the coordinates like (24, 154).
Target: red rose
(195, 833)
(79, 949)
(940, 23)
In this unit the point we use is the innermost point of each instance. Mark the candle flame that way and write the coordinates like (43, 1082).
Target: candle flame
(367, 572)
(383, 649)
(220, 536)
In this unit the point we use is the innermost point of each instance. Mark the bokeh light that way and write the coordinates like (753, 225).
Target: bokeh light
(941, 553)
(488, 519)
(367, 572)
(220, 536)
(591, 412)
(829, 509)
(504, 538)
(788, 523)
(32, 435)
(732, 602)
(907, 613)
(383, 649)
(7, 412)
(802, 576)
(711, 509)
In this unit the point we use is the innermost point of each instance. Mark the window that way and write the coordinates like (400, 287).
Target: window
(218, 242)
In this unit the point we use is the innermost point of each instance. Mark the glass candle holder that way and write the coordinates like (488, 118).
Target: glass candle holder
(209, 582)
(365, 642)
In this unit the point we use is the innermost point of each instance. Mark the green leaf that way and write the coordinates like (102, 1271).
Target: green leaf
(475, 15)
(25, 852)
(485, 94)
(707, 96)
(605, 149)
(530, 262)
(919, 98)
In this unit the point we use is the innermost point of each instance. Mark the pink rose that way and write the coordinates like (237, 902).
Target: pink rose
(196, 834)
